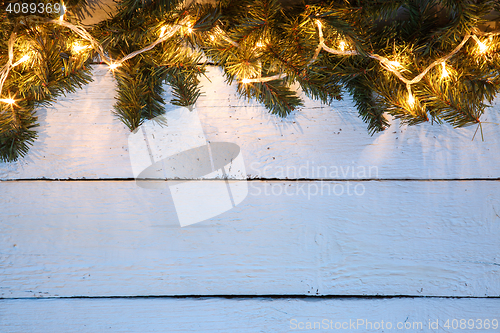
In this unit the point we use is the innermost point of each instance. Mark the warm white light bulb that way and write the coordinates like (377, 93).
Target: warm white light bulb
(259, 44)
(114, 66)
(411, 99)
(245, 81)
(393, 64)
(8, 100)
(318, 22)
(162, 31)
(342, 45)
(24, 58)
(482, 47)
(77, 48)
(444, 72)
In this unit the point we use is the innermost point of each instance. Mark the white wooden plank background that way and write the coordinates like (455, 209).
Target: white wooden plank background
(80, 138)
(112, 238)
(242, 315)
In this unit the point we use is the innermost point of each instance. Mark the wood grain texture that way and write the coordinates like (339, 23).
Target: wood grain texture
(80, 138)
(112, 238)
(243, 315)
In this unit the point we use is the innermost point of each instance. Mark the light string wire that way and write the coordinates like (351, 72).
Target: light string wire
(385, 63)
(80, 31)
(219, 32)
(4, 72)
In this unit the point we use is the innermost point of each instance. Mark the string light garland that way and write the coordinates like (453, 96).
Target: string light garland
(390, 65)
(76, 47)
(266, 42)
(4, 72)
(113, 64)
(83, 33)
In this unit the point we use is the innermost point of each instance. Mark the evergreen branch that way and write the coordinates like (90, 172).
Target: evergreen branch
(323, 46)
(185, 86)
(16, 131)
(454, 105)
(319, 83)
(273, 94)
(139, 93)
(369, 110)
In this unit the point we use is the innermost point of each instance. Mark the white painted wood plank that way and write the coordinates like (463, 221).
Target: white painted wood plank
(247, 315)
(80, 138)
(110, 238)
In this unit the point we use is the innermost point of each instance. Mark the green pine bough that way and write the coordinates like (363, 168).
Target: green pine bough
(372, 50)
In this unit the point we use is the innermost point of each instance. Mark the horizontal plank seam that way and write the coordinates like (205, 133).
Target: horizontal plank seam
(254, 179)
(276, 296)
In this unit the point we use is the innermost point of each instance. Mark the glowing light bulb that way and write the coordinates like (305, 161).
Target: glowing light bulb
(8, 100)
(162, 31)
(20, 61)
(411, 99)
(393, 64)
(113, 66)
(342, 45)
(482, 47)
(444, 72)
(245, 81)
(24, 58)
(318, 22)
(77, 48)
(212, 38)
(259, 44)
